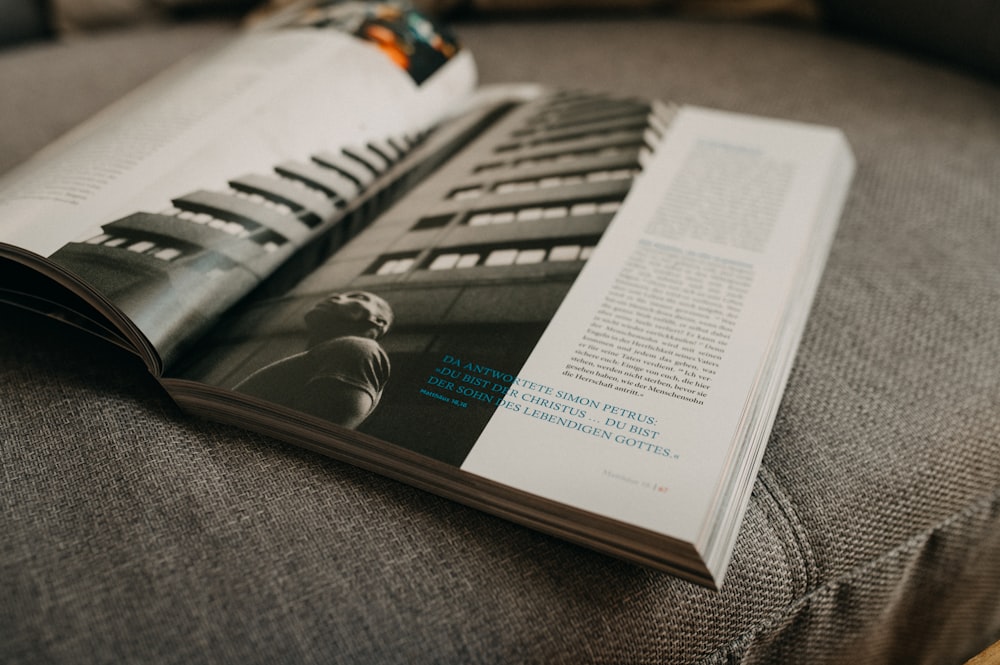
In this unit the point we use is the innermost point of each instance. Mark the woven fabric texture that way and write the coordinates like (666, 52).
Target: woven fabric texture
(135, 533)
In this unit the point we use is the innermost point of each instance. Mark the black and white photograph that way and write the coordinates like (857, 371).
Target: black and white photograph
(471, 264)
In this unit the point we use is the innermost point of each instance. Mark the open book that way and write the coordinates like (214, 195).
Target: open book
(574, 311)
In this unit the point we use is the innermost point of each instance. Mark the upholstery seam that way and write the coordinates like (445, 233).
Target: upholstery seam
(803, 546)
(983, 504)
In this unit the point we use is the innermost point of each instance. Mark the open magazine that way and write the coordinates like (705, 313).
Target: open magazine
(574, 311)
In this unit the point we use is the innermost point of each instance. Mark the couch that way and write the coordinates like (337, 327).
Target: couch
(133, 532)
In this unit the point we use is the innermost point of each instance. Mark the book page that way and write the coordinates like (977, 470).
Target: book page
(630, 403)
(592, 300)
(266, 97)
(144, 174)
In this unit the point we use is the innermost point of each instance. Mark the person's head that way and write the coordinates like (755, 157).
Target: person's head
(352, 313)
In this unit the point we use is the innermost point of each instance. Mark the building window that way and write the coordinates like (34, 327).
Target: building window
(454, 260)
(509, 256)
(137, 245)
(501, 257)
(271, 204)
(167, 253)
(537, 213)
(526, 256)
(586, 135)
(566, 180)
(565, 253)
(395, 266)
(141, 247)
(573, 155)
(268, 240)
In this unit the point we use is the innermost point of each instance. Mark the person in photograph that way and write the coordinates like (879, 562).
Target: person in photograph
(343, 371)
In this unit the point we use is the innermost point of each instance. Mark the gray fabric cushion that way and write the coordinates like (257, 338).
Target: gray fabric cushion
(135, 533)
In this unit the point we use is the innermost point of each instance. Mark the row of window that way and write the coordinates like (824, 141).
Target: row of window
(547, 182)
(244, 229)
(276, 206)
(539, 213)
(158, 251)
(530, 214)
(566, 180)
(237, 229)
(511, 257)
(577, 102)
(554, 120)
(576, 136)
(563, 157)
(497, 257)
